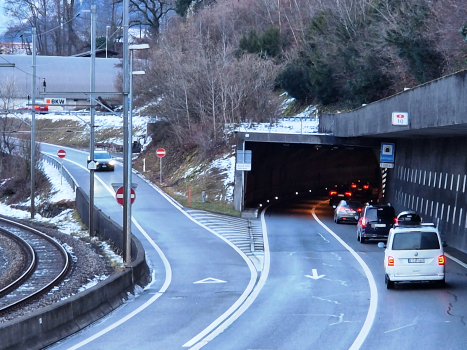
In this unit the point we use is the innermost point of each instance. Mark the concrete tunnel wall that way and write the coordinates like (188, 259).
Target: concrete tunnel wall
(430, 177)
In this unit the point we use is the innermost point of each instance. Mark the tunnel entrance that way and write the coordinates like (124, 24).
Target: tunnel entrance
(283, 169)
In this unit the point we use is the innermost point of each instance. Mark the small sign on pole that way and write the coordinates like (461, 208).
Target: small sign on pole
(160, 153)
(61, 154)
(120, 196)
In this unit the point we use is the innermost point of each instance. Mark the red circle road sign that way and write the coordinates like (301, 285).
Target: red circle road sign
(119, 196)
(160, 152)
(61, 153)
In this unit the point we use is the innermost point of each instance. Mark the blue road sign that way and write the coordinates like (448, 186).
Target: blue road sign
(387, 152)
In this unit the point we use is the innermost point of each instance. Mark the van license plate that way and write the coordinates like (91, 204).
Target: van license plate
(416, 260)
(380, 225)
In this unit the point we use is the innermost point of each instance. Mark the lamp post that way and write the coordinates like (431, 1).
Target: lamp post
(126, 159)
(127, 149)
(92, 117)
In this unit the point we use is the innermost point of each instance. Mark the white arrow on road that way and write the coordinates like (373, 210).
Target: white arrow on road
(315, 275)
(210, 280)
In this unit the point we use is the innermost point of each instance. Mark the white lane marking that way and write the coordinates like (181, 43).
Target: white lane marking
(456, 260)
(370, 317)
(168, 277)
(210, 280)
(315, 275)
(251, 298)
(396, 329)
(240, 300)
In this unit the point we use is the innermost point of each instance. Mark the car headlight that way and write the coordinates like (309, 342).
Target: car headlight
(112, 162)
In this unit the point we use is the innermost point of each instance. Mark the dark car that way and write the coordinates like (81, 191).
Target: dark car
(103, 160)
(347, 211)
(375, 222)
(338, 193)
(361, 189)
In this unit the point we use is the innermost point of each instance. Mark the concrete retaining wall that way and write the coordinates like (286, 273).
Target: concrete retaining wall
(437, 106)
(50, 324)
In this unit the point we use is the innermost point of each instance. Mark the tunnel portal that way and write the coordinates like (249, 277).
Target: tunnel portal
(284, 169)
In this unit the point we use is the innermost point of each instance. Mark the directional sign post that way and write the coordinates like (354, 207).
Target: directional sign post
(61, 154)
(120, 197)
(160, 153)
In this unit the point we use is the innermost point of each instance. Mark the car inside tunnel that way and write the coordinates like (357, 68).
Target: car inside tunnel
(283, 170)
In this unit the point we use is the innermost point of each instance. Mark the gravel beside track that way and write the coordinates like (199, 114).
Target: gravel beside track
(88, 262)
(11, 263)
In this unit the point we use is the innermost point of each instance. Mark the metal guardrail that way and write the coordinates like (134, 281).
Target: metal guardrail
(58, 165)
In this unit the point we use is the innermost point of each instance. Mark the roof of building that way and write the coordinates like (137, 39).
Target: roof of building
(68, 77)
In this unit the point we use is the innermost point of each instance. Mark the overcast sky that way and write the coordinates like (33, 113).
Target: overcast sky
(3, 19)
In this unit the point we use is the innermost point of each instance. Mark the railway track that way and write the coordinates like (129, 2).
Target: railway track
(44, 264)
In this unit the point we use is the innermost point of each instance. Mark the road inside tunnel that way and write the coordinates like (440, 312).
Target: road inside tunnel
(285, 169)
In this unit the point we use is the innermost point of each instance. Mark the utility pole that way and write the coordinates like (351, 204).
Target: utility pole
(93, 112)
(126, 144)
(33, 124)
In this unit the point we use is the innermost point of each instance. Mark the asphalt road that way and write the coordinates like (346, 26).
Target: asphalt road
(320, 288)
(174, 309)
(345, 307)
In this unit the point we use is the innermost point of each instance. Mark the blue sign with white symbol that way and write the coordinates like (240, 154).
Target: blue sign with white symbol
(387, 152)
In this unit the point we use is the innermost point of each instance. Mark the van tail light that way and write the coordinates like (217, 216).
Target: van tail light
(441, 260)
(390, 261)
(349, 194)
(363, 222)
(332, 193)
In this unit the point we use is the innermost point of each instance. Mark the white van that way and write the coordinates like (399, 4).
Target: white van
(414, 254)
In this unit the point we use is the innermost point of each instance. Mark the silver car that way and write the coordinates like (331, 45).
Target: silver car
(347, 211)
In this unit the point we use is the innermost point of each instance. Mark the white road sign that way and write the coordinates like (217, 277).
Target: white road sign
(400, 118)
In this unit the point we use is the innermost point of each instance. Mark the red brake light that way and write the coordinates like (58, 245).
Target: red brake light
(441, 260)
(390, 261)
(363, 222)
(332, 193)
(359, 210)
(349, 194)
(366, 187)
(353, 186)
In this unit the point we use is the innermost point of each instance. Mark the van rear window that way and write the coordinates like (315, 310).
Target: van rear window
(385, 213)
(415, 241)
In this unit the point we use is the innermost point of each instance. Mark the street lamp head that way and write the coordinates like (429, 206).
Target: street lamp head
(138, 47)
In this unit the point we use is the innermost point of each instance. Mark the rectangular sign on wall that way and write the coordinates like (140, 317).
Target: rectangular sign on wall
(55, 101)
(400, 118)
(243, 160)
(387, 152)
